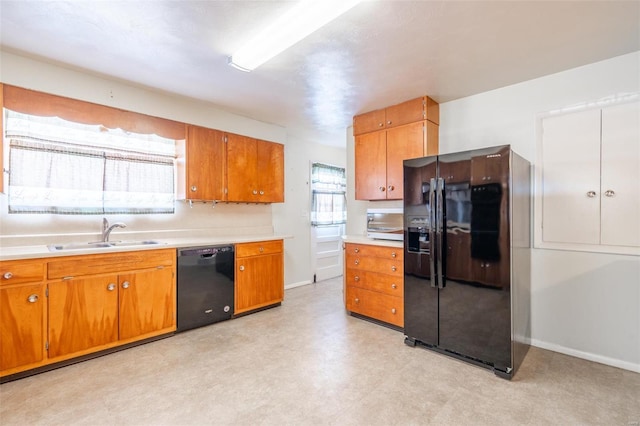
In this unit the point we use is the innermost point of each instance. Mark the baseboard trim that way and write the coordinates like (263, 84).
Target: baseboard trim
(625, 365)
(298, 284)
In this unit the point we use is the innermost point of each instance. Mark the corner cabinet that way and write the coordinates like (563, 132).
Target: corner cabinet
(255, 170)
(259, 275)
(384, 138)
(23, 313)
(374, 282)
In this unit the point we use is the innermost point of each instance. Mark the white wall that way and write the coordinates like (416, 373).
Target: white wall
(292, 217)
(224, 219)
(583, 304)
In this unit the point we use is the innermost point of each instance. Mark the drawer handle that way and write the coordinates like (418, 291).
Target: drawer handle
(394, 255)
(241, 267)
(393, 286)
(111, 287)
(357, 250)
(261, 249)
(393, 268)
(8, 275)
(357, 261)
(33, 298)
(194, 188)
(125, 284)
(356, 278)
(393, 311)
(357, 300)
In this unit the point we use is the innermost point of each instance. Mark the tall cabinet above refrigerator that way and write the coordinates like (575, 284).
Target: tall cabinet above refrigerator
(467, 256)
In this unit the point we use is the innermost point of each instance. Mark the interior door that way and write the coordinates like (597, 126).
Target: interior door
(327, 251)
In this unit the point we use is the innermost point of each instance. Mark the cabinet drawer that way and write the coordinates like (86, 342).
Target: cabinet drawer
(392, 285)
(375, 305)
(374, 264)
(93, 264)
(21, 271)
(256, 249)
(360, 250)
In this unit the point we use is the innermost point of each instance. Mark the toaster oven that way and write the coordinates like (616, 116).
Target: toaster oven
(385, 224)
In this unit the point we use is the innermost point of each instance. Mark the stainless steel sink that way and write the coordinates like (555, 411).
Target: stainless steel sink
(99, 244)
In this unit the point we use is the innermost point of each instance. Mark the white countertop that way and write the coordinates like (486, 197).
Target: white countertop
(42, 251)
(358, 239)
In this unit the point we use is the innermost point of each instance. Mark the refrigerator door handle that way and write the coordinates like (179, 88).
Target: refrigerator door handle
(439, 233)
(432, 221)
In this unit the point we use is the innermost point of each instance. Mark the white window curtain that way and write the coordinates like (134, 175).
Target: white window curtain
(57, 166)
(328, 189)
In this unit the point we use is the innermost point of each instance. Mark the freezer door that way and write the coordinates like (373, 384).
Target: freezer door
(420, 287)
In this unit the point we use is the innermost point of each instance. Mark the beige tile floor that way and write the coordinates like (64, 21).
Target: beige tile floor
(308, 363)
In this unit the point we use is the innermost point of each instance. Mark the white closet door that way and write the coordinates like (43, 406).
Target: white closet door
(571, 178)
(621, 175)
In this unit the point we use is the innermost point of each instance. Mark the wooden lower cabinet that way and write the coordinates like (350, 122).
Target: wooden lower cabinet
(83, 304)
(374, 282)
(259, 275)
(23, 312)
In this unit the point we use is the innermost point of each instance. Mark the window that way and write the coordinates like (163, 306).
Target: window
(329, 202)
(64, 167)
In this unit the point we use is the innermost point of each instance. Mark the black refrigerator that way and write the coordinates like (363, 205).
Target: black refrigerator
(467, 260)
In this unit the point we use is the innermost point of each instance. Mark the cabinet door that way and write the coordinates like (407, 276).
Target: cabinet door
(242, 166)
(403, 142)
(620, 191)
(259, 282)
(571, 178)
(371, 166)
(205, 167)
(368, 122)
(406, 112)
(83, 314)
(147, 302)
(270, 172)
(22, 310)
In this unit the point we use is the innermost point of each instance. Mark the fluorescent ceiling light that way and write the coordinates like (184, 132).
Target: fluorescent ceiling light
(300, 21)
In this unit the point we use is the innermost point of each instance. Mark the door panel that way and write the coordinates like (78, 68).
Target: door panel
(371, 166)
(621, 175)
(327, 251)
(403, 143)
(83, 314)
(242, 179)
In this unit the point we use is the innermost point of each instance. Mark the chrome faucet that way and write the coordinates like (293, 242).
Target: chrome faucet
(106, 229)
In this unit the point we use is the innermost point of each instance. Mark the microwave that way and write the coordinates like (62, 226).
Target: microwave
(385, 224)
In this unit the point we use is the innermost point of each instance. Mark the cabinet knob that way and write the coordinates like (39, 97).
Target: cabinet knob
(255, 192)
(393, 311)
(591, 194)
(381, 189)
(261, 250)
(241, 267)
(126, 284)
(261, 192)
(194, 188)
(393, 286)
(357, 300)
(393, 268)
(393, 254)
(111, 287)
(33, 298)
(388, 122)
(380, 124)
(356, 278)
(7, 275)
(391, 187)
(609, 193)
(357, 261)
(357, 250)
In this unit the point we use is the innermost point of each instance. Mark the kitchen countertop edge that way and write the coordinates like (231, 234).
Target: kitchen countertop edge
(355, 239)
(41, 251)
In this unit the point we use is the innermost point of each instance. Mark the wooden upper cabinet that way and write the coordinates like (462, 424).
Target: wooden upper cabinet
(204, 164)
(1, 137)
(419, 109)
(402, 143)
(371, 166)
(255, 170)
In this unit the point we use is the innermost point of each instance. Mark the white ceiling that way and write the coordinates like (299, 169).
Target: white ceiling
(377, 54)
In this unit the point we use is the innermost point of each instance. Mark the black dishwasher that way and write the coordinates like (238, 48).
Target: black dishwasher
(205, 285)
